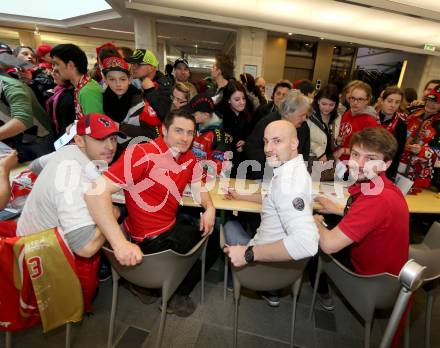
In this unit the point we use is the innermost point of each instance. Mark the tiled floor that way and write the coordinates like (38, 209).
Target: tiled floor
(211, 324)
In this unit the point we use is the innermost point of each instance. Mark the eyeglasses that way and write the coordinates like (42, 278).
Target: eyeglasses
(353, 99)
(179, 100)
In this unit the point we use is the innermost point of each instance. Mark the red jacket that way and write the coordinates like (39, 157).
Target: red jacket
(212, 144)
(424, 131)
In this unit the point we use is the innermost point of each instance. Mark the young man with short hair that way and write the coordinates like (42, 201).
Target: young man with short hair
(57, 197)
(154, 84)
(71, 63)
(375, 221)
(222, 71)
(153, 176)
(183, 74)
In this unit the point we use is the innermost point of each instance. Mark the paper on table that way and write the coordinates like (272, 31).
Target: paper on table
(403, 183)
(65, 138)
(335, 191)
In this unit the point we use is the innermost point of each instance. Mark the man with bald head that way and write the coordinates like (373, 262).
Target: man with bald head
(287, 230)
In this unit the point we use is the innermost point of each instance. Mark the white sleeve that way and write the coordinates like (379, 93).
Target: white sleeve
(293, 203)
(72, 211)
(38, 164)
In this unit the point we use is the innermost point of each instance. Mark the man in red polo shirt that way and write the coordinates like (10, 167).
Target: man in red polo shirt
(375, 221)
(153, 176)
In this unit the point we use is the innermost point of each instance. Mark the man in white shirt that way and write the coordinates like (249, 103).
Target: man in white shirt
(57, 198)
(287, 230)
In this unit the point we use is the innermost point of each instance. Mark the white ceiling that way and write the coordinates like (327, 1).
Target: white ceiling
(53, 9)
(400, 24)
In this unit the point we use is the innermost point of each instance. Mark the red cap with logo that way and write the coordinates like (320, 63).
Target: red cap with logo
(97, 126)
(434, 95)
(115, 64)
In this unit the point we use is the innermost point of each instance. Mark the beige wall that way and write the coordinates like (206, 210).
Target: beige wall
(414, 71)
(323, 62)
(274, 59)
(431, 71)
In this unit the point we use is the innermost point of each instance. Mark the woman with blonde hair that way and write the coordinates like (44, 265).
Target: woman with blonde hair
(359, 116)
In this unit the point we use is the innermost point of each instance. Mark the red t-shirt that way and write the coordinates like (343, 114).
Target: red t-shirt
(352, 124)
(153, 182)
(379, 226)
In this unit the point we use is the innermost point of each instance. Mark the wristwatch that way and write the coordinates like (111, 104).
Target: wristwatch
(249, 254)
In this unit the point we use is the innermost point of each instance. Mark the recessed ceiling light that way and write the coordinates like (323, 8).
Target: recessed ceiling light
(321, 38)
(289, 33)
(334, 47)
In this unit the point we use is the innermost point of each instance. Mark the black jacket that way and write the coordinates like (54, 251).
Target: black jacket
(160, 97)
(399, 133)
(254, 147)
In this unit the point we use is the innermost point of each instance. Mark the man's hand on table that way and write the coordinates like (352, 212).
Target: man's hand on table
(231, 193)
(328, 206)
(128, 254)
(207, 220)
(236, 254)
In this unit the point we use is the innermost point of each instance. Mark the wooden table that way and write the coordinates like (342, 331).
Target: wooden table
(425, 202)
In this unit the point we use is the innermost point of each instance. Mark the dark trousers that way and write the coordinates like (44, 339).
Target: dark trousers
(181, 238)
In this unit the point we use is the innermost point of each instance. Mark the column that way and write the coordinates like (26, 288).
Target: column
(162, 55)
(323, 62)
(249, 51)
(274, 59)
(145, 33)
(28, 38)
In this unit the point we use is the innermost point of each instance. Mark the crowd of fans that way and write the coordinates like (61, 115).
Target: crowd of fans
(125, 112)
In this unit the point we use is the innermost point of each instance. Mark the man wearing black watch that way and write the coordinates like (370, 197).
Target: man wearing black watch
(287, 230)
(249, 254)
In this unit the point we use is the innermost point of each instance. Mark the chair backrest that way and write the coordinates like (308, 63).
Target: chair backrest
(364, 293)
(432, 238)
(269, 275)
(159, 269)
(428, 253)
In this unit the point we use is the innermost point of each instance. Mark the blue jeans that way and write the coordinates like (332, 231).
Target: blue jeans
(235, 234)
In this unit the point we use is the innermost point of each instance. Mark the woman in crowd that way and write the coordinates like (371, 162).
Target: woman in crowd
(234, 109)
(36, 78)
(344, 99)
(324, 123)
(60, 106)
(359, 116)
(392, 119)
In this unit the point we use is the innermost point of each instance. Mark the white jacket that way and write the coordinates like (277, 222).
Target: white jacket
(318, 137)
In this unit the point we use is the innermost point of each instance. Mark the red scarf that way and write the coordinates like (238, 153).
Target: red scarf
(81, 83)
(393, 123)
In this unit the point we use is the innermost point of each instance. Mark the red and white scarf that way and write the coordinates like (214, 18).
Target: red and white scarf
(81, 83)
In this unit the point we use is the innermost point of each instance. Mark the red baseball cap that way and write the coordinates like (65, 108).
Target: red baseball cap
(115, 64)
(434, 95)
(97, 126)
